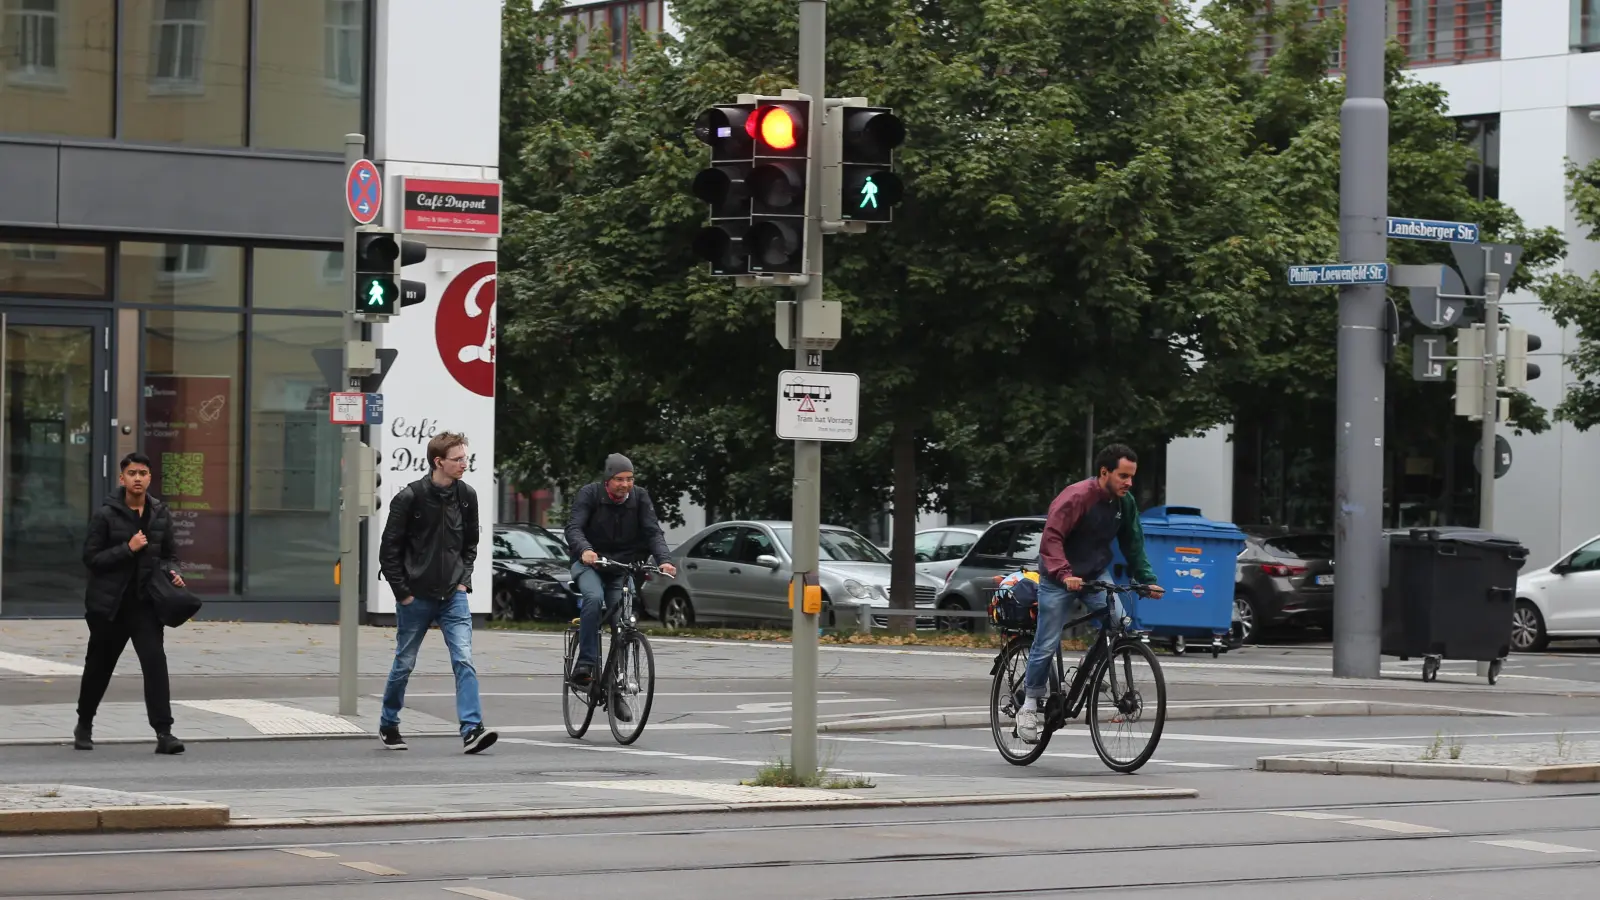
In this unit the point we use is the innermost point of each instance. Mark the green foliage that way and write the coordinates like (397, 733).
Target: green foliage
(1574, 302)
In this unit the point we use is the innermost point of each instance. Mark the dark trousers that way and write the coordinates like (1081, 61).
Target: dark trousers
(107, 638)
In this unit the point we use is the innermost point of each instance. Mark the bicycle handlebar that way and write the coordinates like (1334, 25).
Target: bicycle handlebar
(645, 568)
(1142, 590)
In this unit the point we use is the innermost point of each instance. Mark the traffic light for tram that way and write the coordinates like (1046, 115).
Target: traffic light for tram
(869, 189)
(724, 187)
(1519, 371)
(780, 132)
(379, 289)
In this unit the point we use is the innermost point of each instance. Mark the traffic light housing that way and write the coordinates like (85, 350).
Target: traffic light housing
(780, 133)
(380, 255)
(1469, 372)
(723, 186)
(1519, 371)
(869, 188)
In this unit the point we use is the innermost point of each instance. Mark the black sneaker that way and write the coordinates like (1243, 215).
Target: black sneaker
(390, 736)
(83, 737)
(167, 745)
(583, 674)
(478, 739)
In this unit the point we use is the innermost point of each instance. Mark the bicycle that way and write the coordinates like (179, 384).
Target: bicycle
(629, 671)
(1125, 703)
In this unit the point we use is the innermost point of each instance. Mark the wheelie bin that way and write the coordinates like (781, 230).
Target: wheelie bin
(1195, 559)
(1450, 595)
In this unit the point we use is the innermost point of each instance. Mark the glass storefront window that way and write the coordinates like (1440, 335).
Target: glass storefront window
(1586, 25)
(55, 67)
(180, 274)
(46, 269)
(294, 458)
(298, 279)
(192, 387)
(182, 72)
(309, 72)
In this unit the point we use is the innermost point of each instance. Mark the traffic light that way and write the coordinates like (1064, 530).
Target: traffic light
(780, 131)
(1519, 371)
(1469, 372)
(379, 289)
(412, 292)
(724, 187)
(869, 188)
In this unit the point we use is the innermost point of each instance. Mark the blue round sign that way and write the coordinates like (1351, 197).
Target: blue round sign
(363, 192)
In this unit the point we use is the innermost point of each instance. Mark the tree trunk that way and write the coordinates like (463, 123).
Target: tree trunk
(903, 573)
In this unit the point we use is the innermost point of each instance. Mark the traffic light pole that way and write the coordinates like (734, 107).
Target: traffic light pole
(1358, 480)
(349, 521)
(1491, 398)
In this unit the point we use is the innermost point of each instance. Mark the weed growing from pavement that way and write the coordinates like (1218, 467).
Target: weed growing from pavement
(1563, 748)
(1432, 753)
(781, 774)
(1455, 747)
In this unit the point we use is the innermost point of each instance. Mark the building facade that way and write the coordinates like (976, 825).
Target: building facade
(171, 226)
(1523, 78)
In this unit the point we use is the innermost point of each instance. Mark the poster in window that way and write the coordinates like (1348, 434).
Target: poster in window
(188, 429)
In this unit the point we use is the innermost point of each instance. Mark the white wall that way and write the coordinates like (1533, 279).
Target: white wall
(1200, 473)
(437, 90)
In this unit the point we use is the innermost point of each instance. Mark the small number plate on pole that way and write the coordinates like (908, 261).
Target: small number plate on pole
(347, 408)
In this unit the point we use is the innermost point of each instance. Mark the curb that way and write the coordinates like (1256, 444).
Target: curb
(692, 808)
(113, 818)
(1563, 774)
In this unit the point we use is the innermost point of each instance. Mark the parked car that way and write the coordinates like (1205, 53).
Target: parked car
(1561, 600)
(1005, 546)
(740, 572)
(1284, 579)
(939, 550)
(531, 572)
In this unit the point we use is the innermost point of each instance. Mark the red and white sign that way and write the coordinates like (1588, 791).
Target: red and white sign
(363, 192)
(448, 206)
(464, 328)
(345, 408)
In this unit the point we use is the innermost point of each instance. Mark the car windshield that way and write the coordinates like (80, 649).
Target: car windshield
(514, 543)
(838, 545)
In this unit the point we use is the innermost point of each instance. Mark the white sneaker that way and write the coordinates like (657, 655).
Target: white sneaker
(1028, 726)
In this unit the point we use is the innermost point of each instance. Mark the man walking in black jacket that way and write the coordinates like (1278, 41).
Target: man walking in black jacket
(614, 519)
(429, 547)
(130, 541)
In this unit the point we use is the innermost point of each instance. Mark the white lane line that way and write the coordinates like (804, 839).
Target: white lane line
(706, 790)
(1535, 846)
(480, 893)
(308, 853)
(371, 868)
(1273, 742)
(658, 694)
(1398, 827)
(1307, 814)
(32, 665)
(986, 750)
(662, 726)
(783, 706)
(682, 757)
(919, 713)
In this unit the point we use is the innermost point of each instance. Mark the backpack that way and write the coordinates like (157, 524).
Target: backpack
(1015, 604)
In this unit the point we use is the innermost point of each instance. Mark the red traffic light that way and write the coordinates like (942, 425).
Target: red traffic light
(777, 127)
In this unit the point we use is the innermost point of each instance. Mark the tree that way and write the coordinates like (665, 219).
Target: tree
(1574, 302)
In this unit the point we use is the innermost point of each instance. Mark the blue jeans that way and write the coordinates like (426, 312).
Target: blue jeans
(598, 589)
(1055, 603)
(455, 622)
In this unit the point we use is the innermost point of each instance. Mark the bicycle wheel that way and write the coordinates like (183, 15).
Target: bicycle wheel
(1005, 698)
(1127, 706)
(631, 681)
(577, 703)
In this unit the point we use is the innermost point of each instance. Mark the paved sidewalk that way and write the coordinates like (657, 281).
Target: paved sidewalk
(66, 807)
(1546, 762)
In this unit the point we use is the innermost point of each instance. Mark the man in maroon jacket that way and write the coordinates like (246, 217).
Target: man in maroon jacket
(1076, 547)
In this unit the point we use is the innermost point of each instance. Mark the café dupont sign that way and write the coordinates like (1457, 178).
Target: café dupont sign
(450, 206)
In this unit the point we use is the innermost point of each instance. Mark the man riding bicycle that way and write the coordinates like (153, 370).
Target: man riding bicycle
(616, 520)
(1076, 547)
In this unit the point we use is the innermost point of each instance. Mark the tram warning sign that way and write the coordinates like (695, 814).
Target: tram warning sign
(818, 406)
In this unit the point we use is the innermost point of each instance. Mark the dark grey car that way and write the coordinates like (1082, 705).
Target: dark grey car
(1005, 547)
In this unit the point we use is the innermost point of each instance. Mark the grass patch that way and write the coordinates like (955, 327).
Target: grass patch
(838, 637)
(781, 774)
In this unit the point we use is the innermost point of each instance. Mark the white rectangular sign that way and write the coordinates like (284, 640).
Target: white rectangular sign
(818, 406)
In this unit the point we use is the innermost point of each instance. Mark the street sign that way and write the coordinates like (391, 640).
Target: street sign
(1425, 352)
(1338, 274)
(1472, 263)
(363, 192)
(1437, 293)
(347, 408)
(374, 409)
(1433, 230)
(1502, 456)
(818, 406)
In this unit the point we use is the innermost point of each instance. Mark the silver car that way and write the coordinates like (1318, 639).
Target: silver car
(740, 571)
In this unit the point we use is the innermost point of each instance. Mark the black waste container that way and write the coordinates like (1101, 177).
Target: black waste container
(1450, 595)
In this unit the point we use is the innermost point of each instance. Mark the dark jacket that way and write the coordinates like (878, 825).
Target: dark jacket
(112, 564)
(1078, 531)
(428, 547)
(622, 532)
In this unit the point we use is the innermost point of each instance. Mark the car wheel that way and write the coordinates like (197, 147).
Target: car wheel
(960, 624)
(504, 608)
(1527, 629)
(677, 612)
(1244, 610)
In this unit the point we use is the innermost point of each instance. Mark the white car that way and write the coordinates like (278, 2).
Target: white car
(1561, 600)
(940, 550)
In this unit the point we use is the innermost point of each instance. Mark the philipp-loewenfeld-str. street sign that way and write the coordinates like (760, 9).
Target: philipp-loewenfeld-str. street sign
(1339, 274)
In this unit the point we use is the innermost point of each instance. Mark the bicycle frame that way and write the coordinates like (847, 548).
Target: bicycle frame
(1060, 707)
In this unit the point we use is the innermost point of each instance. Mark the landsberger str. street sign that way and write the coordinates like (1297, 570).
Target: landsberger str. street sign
(818, 406)
(1338, 274)
(1432, 230)
(450, 206)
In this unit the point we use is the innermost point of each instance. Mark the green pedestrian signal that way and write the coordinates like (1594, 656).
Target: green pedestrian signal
(869, 193)
(375, 294)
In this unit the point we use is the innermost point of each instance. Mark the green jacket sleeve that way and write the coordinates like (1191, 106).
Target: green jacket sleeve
(1131, 539)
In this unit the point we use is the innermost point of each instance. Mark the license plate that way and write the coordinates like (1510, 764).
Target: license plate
(1324, 579)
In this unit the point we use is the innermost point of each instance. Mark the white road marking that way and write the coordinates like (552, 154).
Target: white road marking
(683, 757)
(717, 793)
(32, 665)
(1398, 827)
(1535, 846)
(784, 706)
(1307, 814)
(371, 868)
(658, 694)
(662, 726)
(308, 853)
(276, 718)
(898, 716)
(986, 750)
(1274, 742)
(480, 893)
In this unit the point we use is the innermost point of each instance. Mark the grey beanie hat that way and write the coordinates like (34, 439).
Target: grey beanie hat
(616, 464)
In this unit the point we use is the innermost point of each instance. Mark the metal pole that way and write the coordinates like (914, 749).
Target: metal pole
(349, 523)
(1088, 445)
(1358, 482)
(1491, 398)
(807, 513)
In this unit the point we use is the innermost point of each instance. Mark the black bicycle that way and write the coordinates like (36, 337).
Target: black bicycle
(1119, 704)
(626, 684)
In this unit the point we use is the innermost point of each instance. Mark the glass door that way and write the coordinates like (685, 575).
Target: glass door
(53, 449)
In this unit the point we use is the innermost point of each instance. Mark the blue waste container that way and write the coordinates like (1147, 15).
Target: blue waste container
(1195, 559)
